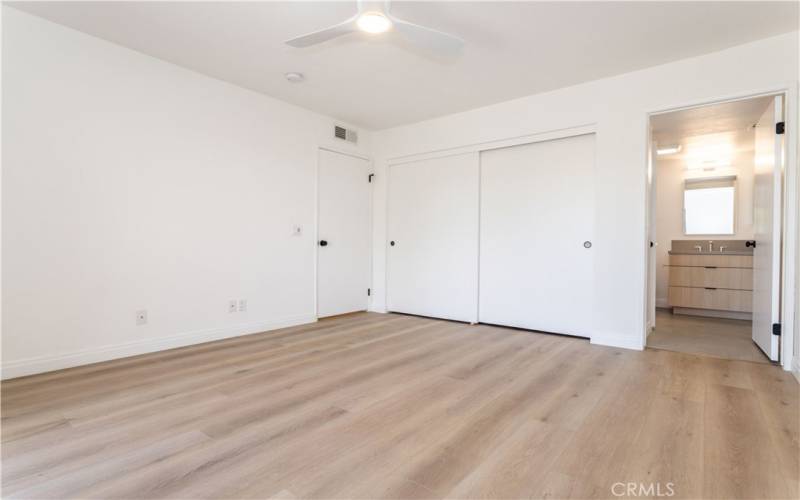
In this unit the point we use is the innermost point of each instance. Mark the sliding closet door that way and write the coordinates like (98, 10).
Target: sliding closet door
(537, 224)
(432, 255)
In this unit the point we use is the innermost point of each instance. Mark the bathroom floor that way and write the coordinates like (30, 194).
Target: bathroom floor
(720, 338)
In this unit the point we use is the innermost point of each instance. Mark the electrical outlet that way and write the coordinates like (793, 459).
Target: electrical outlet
(141, 317)
(242, 305)
(232, 306)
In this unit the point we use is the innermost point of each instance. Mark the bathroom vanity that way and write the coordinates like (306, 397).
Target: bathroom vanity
(711, 278)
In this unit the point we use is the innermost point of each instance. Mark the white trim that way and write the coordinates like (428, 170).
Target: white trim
(497, 144)
(346, 153)
(386, 236)
(41, 364)
(790, 205)
(371, 231)
(796, 369)
(316, 229)
(477, 317)
(699, 103)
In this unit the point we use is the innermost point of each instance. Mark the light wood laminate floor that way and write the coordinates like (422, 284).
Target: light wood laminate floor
(721, 338)
(390, 406)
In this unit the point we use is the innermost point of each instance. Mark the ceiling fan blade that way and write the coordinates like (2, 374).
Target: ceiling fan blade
(427, 38)
(320, 36)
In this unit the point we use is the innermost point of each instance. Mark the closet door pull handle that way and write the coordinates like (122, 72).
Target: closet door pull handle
(710, 267)
(707, 288)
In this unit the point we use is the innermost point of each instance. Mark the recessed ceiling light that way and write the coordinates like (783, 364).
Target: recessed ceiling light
(373, 22)
(295, 77)
(668, 150)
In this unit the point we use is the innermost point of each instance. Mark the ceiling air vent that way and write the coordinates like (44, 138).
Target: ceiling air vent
(344, 134)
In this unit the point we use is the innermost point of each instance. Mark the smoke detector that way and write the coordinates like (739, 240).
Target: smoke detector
(294, 77)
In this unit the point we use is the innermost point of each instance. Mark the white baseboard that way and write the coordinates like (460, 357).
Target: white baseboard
(41, 364)
(633, 342)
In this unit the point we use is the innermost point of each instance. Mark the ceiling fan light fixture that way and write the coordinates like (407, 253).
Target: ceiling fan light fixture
(373, 22)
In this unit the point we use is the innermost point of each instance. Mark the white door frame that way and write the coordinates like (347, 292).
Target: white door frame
(371, 169)
(791, 190)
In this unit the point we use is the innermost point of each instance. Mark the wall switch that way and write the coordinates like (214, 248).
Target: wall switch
(297, 230)
(242, 305)
(141, 317)
(232, 306)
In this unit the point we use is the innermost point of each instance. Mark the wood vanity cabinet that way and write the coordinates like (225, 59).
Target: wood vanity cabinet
(711, 285)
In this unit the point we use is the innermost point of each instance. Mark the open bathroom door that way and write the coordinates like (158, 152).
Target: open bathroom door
(767, 210)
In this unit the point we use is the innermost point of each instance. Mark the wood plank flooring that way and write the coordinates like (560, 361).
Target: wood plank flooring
(390, 406)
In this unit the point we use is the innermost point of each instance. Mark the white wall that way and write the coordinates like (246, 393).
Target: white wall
(130, 183)
(618, 106)
(670, 177)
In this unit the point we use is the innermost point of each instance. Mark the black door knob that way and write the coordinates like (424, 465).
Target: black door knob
(749, 244)
(391, 242)
(323, 243)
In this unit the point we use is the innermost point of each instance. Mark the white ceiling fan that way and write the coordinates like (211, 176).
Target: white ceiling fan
(380, 20)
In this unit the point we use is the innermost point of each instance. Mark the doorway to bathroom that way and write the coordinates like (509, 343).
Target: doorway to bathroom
(715, 226)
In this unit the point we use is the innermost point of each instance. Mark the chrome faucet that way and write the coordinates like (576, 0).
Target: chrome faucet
(722, 248)
(699, 248)
(710, 246)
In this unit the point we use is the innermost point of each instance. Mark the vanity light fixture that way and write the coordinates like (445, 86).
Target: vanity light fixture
(669, 150)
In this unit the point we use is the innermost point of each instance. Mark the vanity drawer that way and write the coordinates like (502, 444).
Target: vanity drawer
(711, 260)
(737, 278)
(719, 299)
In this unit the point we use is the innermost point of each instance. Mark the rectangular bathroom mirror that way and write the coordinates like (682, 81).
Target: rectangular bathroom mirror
(709, 206)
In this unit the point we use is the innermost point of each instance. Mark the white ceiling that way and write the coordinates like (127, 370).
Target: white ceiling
(713, 133)
(730, 117)
(378, 81)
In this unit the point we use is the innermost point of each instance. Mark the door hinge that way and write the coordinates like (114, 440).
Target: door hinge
(780, 128)
(369, 177)
(369, 292)
(776, 328)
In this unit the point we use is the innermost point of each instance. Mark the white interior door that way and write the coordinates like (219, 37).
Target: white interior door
(767, 229)
(652, 242)
(343, 258)
(537, 224)
(433, 232)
